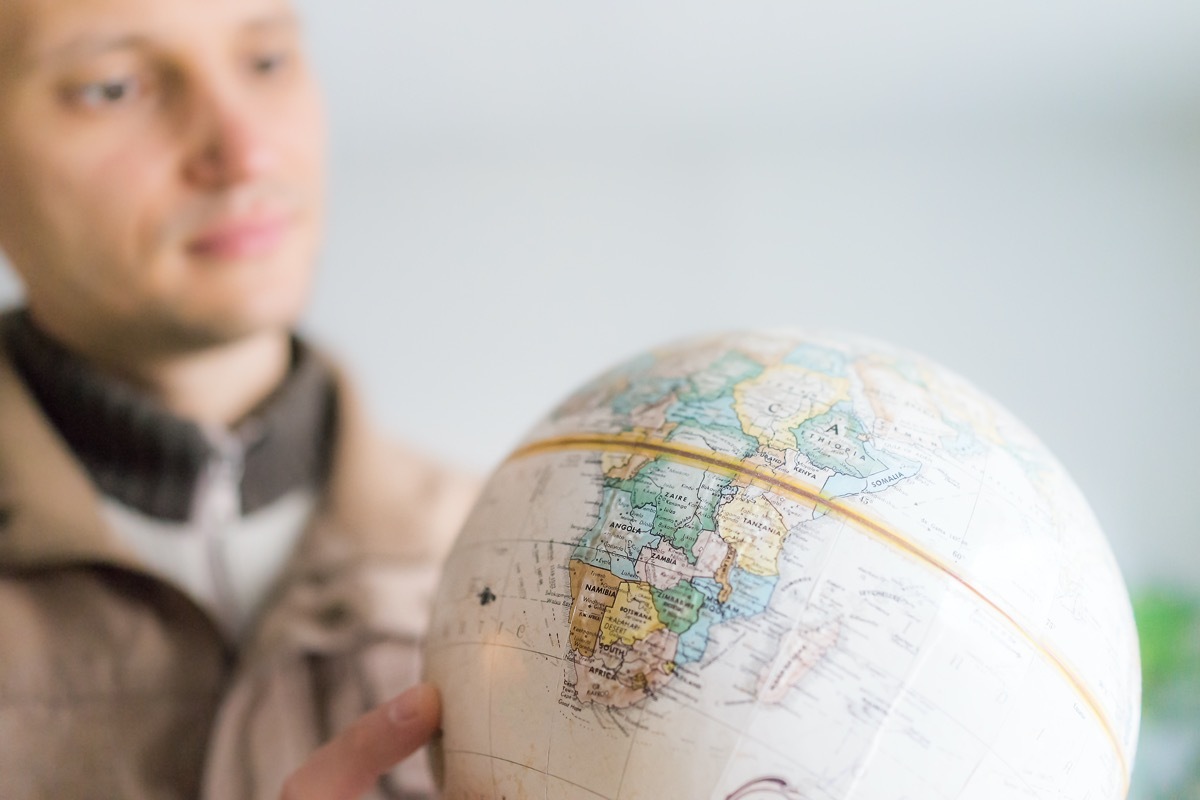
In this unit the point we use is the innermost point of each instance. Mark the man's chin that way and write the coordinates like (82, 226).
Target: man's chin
(193, 334)
(220, 309)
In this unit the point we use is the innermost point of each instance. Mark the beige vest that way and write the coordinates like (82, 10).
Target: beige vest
(114, 684)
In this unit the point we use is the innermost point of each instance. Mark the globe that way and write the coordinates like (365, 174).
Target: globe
(783, 565)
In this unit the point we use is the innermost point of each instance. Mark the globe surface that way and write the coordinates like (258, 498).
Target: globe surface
(771, 565)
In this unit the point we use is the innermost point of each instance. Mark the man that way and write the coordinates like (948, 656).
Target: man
(208, 564)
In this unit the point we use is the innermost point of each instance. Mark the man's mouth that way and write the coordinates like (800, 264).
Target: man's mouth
(249, 236)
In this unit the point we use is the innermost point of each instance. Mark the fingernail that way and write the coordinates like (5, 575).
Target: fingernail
(406, 706)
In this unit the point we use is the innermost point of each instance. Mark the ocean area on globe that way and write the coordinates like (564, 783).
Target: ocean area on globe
(783, 565)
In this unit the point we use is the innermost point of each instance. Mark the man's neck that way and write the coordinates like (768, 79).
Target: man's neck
(215, 386)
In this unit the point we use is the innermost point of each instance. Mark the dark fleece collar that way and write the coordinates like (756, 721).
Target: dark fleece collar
(145, 457)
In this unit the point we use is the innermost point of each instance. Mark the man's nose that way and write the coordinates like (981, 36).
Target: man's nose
(231, 143)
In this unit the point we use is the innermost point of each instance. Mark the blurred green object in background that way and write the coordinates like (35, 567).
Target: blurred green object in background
(1169, 629)
(1168, 761)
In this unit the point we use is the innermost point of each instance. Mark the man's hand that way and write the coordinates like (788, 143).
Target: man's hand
(346, 767)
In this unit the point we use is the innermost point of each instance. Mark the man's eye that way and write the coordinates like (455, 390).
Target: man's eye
(269, 63)
(99, 94)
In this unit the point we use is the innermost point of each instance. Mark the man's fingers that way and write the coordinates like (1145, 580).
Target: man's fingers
(349, 765)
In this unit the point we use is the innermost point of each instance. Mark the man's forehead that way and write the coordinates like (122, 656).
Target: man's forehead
(30, 29)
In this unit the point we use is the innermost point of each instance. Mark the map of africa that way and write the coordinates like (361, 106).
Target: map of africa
(768, 565)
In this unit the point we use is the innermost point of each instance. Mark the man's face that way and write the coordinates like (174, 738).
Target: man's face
(161, 168)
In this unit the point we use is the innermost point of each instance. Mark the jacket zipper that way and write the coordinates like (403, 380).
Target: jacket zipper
(219, 505)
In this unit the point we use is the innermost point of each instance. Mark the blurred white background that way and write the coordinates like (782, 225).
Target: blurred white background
(524, 193)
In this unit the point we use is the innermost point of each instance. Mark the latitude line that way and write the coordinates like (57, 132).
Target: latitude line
(546, 772)
(732, 467)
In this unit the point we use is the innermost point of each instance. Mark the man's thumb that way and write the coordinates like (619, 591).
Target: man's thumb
(350, 764)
